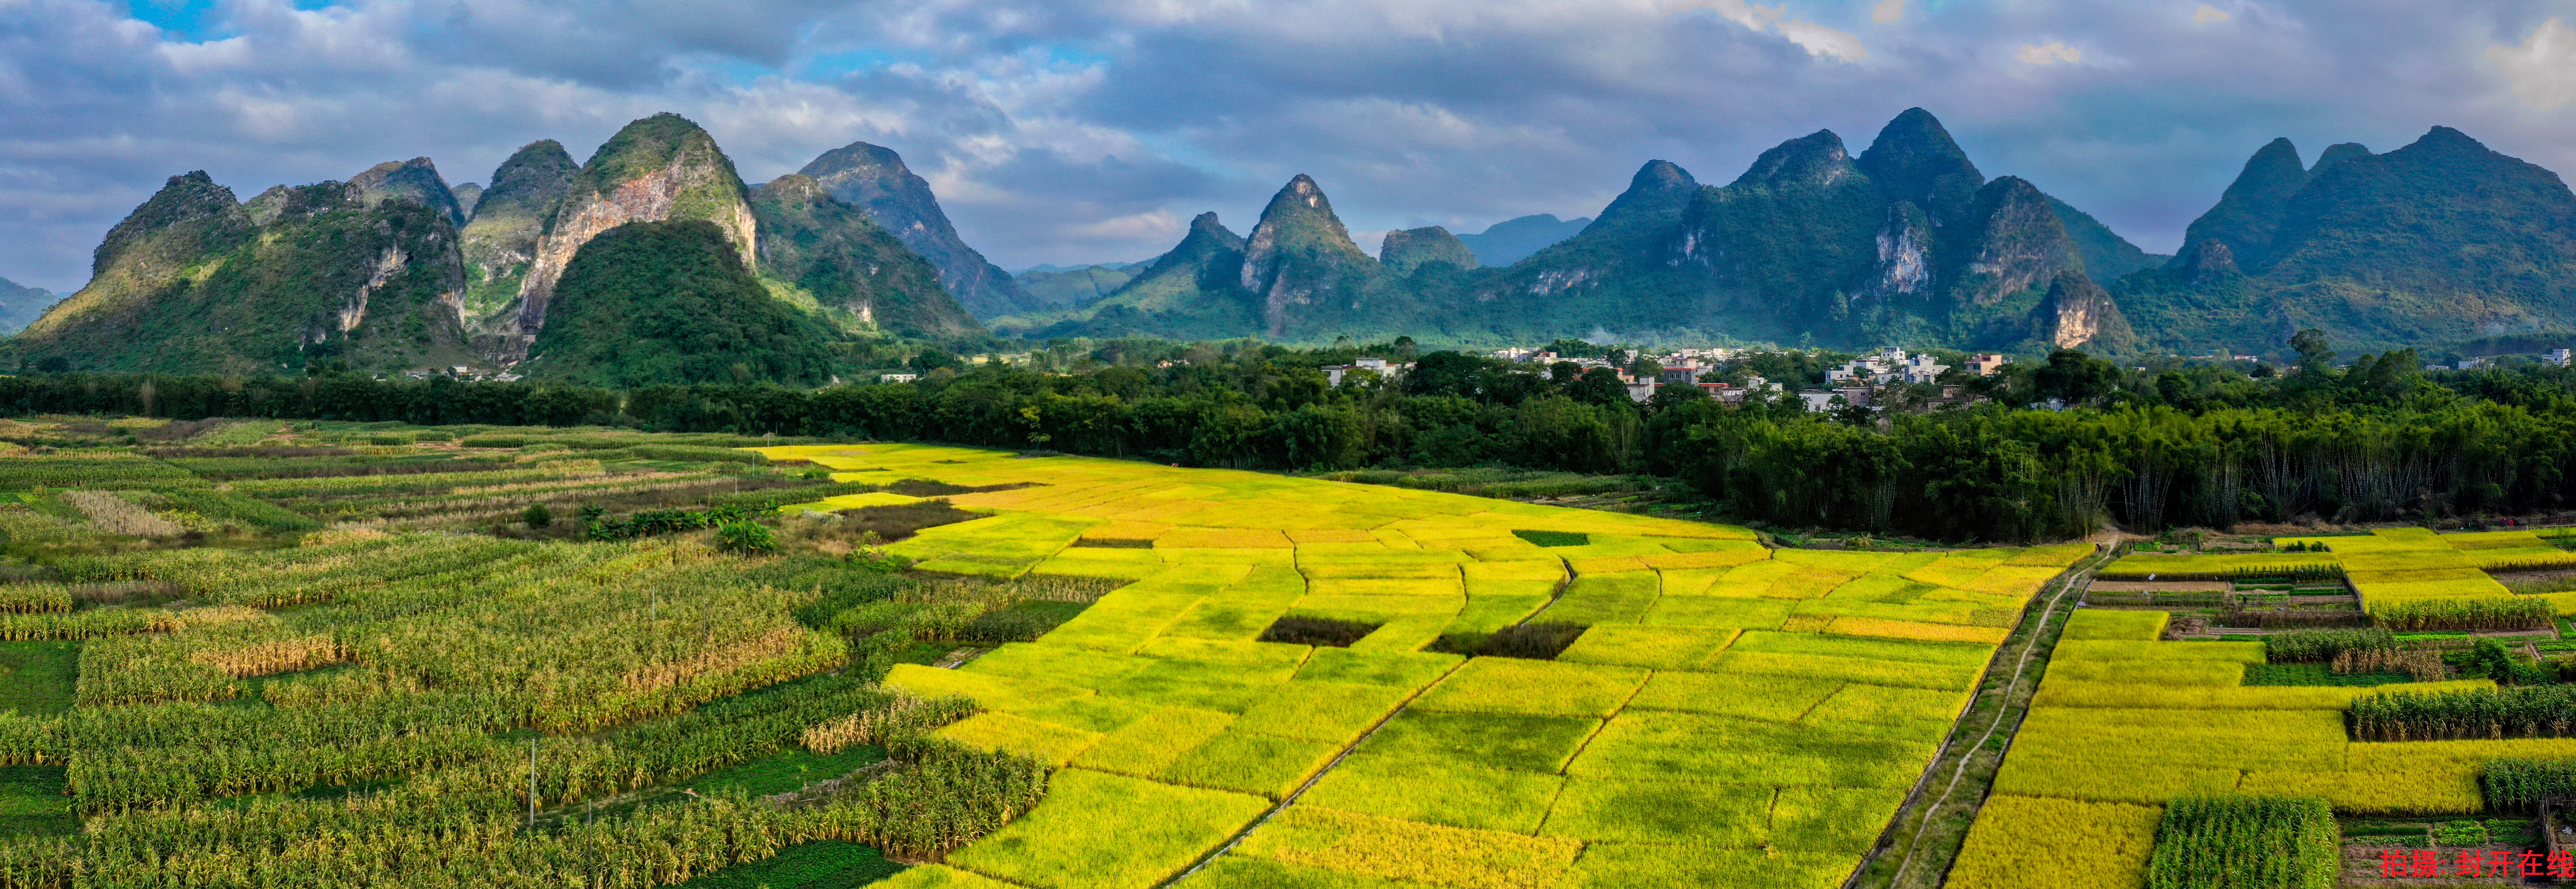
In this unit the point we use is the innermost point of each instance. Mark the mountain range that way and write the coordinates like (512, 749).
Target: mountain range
(1908, 242)
(705, 278)
(653, 261)
(20, 304)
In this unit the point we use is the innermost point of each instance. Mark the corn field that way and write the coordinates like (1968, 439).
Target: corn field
(2536, 711)
(2477, 615)
(2250, 841)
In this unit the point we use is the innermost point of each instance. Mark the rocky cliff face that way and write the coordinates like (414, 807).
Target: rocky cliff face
(657, 169)
(500, 240)
(2251, 208)
(852, 270)
(875, 179)
(2077, 314)
(1411, 248)
(412, 180)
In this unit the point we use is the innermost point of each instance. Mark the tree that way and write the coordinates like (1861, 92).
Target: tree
(1599, 387)
(2075, 377)
(2316, 355)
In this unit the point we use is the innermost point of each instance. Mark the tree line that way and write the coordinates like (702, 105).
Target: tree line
(2147, 448)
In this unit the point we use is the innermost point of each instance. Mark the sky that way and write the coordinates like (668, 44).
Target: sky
(1078, 131)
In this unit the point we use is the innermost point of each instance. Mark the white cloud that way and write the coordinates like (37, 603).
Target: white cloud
(1887, 11)
(1814, 38)
(2050, 53)
(2207, 13)
(2542, 71)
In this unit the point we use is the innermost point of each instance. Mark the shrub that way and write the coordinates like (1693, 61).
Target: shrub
(1320, 631)
(745, 537)
(2249, 841)
(537, 516)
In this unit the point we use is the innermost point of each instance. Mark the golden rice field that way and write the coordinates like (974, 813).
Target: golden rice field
(1734, 716)
(2124, 723)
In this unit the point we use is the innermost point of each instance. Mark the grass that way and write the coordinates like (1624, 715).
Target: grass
(821, 864)
(32, 802)
(932, 876)
(1401, 669)
(2316, 674)
(1661, 648)
(1775, 698)
(1050, 743)
(1087, 833)
(1530, 743)
(38, 677)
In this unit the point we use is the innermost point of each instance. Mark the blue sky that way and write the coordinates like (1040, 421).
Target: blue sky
(1069, 131)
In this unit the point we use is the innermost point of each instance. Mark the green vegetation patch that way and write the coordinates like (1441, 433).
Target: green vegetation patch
(1716, 748)
(1533, 743)
(2097, 623)
(821, 864)
(38, 677)
(33, 802)
(1086, 835)
(1155, 741)
(2231, 840)
(1239, 872)
(1554, 538)
(1775, 698)
(784, 771)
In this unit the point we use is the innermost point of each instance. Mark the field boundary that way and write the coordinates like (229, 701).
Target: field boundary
(2011, 704)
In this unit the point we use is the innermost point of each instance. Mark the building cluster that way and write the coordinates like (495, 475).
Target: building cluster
(1858, 381)
(2553, 358)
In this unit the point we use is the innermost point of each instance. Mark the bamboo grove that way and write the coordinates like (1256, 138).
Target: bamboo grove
(2172, 447)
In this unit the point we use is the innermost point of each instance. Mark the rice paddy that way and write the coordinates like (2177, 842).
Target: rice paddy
(1775, 709)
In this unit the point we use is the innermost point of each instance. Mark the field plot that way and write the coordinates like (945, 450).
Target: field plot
(1724, 717)
(2124, 725)
(2407, 578)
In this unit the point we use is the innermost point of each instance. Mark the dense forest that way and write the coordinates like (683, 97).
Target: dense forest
(2148, 448)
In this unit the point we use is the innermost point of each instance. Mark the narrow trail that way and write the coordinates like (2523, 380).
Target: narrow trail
(2006, 712)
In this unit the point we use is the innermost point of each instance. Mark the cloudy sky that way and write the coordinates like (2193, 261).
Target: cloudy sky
(1071, 131)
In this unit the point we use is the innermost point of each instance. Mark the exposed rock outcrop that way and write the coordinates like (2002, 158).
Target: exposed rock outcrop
(500, 242)
(661, 168)
(2079, 314)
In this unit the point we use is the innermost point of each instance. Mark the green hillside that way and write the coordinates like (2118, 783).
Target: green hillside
(670, 302)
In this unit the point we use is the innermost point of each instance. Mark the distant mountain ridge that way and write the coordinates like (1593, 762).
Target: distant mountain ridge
(1513, 240)
(875, 179)
(1909, 243)
(20, 304)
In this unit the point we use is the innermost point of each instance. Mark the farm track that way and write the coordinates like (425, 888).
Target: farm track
(2009, 703)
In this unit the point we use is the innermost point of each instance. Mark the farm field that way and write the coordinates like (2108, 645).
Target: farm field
(255, 654)
(1732, 716)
